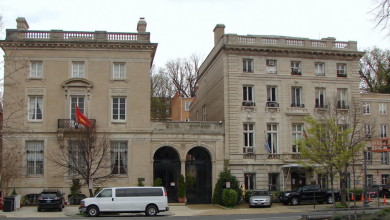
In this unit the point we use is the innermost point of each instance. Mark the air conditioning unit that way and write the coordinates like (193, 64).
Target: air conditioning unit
(249, 150)
(271, 62)
(296, 70)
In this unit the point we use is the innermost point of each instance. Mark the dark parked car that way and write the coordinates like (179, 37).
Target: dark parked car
(51, 199)
(310, 193)
(383, 189)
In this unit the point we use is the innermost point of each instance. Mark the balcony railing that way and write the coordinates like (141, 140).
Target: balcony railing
(248, 103)
(272, 104)
(298, 105)
(321, 106)
(342, 105)
(72, 124)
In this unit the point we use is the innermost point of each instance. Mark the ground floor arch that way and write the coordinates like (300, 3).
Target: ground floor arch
(166, 166)
(198, 172)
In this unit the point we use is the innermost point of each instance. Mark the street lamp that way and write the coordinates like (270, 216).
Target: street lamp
(366, 203)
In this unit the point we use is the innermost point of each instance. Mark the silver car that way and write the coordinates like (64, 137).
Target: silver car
(260, 198)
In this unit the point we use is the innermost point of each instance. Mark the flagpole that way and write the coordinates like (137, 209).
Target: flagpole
(265, 158)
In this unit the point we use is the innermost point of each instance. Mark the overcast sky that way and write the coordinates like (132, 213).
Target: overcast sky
(182, 27)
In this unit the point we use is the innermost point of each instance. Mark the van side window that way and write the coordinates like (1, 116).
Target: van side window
(106, 193)
(125, 193)
(150, 192)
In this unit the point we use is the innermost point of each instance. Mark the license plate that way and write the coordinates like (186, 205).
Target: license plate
(49, 201)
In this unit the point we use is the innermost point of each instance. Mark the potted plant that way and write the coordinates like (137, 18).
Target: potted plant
(182, 189)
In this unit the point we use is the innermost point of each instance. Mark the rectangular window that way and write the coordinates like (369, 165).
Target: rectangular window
(204, 113)
(367, 130)
(295, 68)
(369, 156)
(119, 157)
(119, 108)
(76, 157)
(383, 108)
(273, 182)
(271, 94)
(366, 108)
(79, 101)
(320, 98)
(383, 131)
(247, 65)
(35, 105)
(320, 69)
(369, 180)
(341, 70)
(296, 97)
(119, 71)
(250, 180)
(247, 93)
(34, 155)
(187, 105)
(248, 135)
(385, 178)
(36, 69)
(297, 134)
(272, 137)
(342, 99)
(323, 181)
(78, 70)
(271, 66)
(385, 158)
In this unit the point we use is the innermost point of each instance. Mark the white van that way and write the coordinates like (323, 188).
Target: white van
(150, 200)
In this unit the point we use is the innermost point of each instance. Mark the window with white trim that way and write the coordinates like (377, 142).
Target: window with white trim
(341, 70)
(369, 156)
(247, 65)
(385, 158)
(295, 68)
(36, 69)
(272, 137)
(248, 135)
(297, 134)
(78, 70)
(77, 161)
(118, 108)
(247, 93)
(271, 66)
(367, 130)
(34, 156)
(204, 113)
(35, 107)
(187, 105)
(383, 108)
(370, 178)
(296, 97)
(320, 98)
(79, 101)
(119, 157)
(119, 71)
(319, 69)
(342, 99)
(272, 94)
(383, 131)
(366, 108)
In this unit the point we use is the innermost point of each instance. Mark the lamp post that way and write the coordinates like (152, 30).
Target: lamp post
(366, 203)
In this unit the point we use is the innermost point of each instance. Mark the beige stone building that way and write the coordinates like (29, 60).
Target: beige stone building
(260, 87)
(107, 76)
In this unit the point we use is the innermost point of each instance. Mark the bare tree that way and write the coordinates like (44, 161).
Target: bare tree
(374, 69)
(183, 73)
(83, 154)
(381, 12)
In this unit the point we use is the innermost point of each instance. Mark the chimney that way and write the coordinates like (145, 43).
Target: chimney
(21, 24)
(219, 31)
(141, 27)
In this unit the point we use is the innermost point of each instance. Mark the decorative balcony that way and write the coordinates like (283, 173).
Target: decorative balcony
(69, 124)
(341, 105)
(248, 103)
(272, 105)
(297, 105)
(321, 106)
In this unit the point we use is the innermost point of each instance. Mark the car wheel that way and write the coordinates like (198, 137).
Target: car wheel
(285, 203)
(294, 201)
(151, 210)
(329, 200)
(60, 209)
(39, 210)
(93, 211)
(250, 206)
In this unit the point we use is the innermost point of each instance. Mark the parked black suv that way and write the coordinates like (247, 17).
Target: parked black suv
(51, 199)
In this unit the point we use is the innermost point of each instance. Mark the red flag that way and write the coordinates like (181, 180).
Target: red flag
(81, 119)
(304, 134)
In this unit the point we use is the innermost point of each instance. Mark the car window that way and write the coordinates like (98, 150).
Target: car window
(259, 193)
(48, 195)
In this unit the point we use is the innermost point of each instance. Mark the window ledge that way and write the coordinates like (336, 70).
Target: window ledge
(36, 79)
(34, 121)
(118, 80)
(118, 121)
(35, 176)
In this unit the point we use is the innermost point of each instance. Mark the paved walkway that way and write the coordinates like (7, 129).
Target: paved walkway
(177, 209)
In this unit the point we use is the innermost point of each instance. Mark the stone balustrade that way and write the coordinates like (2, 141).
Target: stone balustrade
(187, 127)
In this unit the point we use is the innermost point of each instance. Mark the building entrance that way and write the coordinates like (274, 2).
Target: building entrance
(166, 166)
(198, 176)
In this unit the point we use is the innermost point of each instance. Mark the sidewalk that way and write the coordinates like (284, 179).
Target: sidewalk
(177, 209)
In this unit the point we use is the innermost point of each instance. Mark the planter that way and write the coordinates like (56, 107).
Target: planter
(181, 200)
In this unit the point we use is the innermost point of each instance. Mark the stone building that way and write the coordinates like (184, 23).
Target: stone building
(106, 74)
(260, 87)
